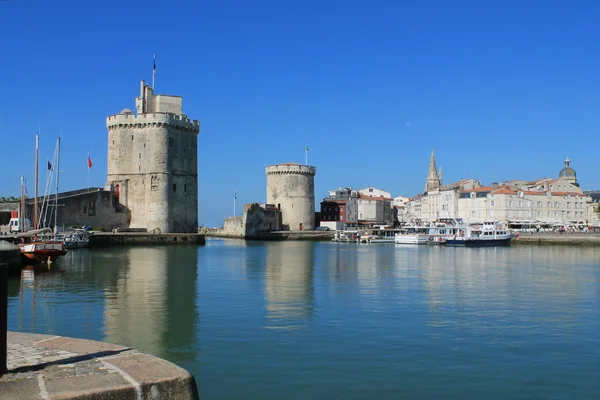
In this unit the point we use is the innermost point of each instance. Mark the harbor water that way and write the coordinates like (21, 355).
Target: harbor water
(320, 320)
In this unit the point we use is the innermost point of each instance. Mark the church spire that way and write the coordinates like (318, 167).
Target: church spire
(433, 179)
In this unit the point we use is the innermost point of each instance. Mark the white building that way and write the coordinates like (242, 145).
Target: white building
(373, 192)
(544, 202)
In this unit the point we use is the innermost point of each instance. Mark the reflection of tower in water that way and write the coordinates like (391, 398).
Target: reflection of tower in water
(289, 287)
(153, 305)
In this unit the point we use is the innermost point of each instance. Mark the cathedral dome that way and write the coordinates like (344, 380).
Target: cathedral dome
(567, 171)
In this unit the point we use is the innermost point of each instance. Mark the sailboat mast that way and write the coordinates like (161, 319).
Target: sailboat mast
(56, 196)
(35, 207)
(22, 213)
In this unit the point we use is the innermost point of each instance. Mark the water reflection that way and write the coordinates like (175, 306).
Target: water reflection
(152, 304)
(289, 287)
(502, 284)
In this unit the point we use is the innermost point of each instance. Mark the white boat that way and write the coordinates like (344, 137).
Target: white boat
(489, 233)
(443, 229)
(76, 239)
(378, 235)
(351, 236)
(412, 235)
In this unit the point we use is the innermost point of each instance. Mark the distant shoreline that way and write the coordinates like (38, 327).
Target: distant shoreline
(573, 239)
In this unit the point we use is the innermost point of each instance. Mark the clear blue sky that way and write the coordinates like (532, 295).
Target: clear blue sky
(501, 89)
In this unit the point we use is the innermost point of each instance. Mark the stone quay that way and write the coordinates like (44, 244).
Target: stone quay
(55, 367)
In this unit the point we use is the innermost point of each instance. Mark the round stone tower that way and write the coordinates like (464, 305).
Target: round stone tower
(153, 164)
(291, 188)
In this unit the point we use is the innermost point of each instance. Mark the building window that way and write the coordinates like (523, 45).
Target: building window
(185, 187)
(492, 203)
(174, 187)
(170, 142)
(549, 204)
(539, 203)
(131, 137)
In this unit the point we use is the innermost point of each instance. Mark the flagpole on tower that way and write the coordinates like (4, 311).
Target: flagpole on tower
(153, 71)
(88, 165)
(306, 163)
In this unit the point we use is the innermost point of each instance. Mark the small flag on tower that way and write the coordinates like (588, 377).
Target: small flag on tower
(306, 148)
(50, 166)
(154, 63)
(89, 162)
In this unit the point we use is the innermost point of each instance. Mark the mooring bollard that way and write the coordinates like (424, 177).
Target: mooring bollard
(3, 316)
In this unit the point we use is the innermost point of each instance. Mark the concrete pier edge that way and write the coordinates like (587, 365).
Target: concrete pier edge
(56, 367)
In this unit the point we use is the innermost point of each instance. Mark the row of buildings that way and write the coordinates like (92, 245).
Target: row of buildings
(542, 203)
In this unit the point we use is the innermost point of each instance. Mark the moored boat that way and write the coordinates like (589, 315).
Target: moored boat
(445, 228)
(76, 239)
(43, 251)
(490, 233)
(411, 235)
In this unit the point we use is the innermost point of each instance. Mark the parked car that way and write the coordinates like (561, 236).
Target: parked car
(322, 228)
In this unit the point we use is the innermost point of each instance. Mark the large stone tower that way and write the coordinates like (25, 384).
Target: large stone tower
(291, 188)
(153, 163)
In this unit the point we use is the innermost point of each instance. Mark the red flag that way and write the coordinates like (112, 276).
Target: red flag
(89, 162)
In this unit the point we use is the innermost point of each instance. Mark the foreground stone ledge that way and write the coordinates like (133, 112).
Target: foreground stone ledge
(55, 367)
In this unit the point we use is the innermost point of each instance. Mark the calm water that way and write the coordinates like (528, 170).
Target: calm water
(299, 320)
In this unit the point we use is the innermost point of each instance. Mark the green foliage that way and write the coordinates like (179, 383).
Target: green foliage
(10, 199)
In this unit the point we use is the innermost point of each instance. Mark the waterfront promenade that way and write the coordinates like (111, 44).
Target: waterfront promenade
(553, 238)
(55, 367)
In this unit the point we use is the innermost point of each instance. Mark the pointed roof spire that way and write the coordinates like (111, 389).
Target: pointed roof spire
(433, 180)
(432, 168)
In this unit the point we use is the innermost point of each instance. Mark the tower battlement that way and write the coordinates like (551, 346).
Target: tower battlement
(141, 121)
(291, 168)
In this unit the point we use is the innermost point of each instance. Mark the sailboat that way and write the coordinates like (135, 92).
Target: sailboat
(47, 249)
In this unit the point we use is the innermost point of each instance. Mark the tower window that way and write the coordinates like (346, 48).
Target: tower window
(140, 156)
(139, 168)
(170, 142)
(131, 137)
(185, 187)
(113, 142)
(174, 187)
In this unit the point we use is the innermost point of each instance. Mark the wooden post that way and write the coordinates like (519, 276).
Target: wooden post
(3, 316)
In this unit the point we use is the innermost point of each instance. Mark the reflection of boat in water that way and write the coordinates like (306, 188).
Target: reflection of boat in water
(490, 233)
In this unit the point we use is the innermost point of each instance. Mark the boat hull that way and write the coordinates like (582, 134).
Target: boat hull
(478, 242)
(43, 251)
(410, 239)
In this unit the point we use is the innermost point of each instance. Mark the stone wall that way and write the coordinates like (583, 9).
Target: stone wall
(95, 208)
(256, 221)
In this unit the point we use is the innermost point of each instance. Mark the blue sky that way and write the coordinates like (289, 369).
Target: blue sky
(501, 89)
